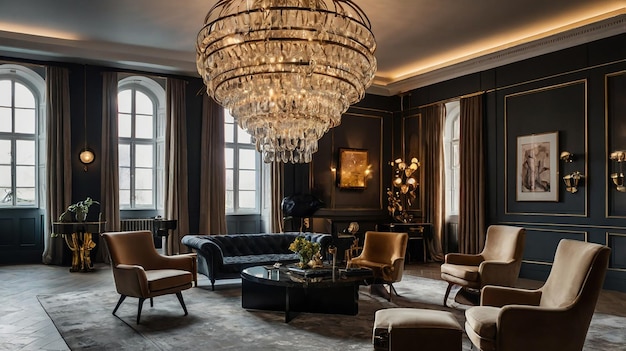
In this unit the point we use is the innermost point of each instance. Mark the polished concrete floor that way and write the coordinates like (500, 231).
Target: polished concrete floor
(24, 325)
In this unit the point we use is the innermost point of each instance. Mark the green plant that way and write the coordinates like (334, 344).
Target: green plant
(79, 209)
(305, 248)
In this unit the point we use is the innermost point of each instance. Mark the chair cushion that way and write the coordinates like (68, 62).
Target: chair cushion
(483, 320)
(469, 273)
(162, 279)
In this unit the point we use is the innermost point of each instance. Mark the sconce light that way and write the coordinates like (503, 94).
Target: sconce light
(86, 155)
(618, 177)
(571, 180)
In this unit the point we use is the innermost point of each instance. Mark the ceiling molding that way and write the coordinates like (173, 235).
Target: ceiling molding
(581, 35)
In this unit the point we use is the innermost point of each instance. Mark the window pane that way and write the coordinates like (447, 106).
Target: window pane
(229, 133)
(124, 178)
(228, 118)
(243, 137)
(23, 96)
(5, 152)
(25, 196)
(124, 155)
(25, 176)
(456, 129)
(5, 177)
(247, 180)
(143, 127)
(247, 159)
(6, 123)
(143, 197)
(25, 121)
(230, 202)
(144, 156)
(25, 153)
(124, 101)
(143, 179)
(5, 97)
(124, 123)
(247, 199)
(6, 197)
(229, 155)
(125, 198)
(143, 104)
(229, 180)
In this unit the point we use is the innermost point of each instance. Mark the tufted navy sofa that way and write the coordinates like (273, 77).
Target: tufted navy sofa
(225, 256)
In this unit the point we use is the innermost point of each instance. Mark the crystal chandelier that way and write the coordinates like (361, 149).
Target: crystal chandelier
(286, 69)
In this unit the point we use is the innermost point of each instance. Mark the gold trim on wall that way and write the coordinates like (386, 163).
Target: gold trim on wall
(555, 231)
(506, 175)
(608, 184)
(606, 242)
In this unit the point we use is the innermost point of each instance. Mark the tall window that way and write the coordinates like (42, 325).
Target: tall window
(20, 105)
(243, 169)
(140, 131)
(452, 134)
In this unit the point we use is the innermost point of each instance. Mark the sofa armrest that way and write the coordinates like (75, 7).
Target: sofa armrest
(498, 296)
(463, 259)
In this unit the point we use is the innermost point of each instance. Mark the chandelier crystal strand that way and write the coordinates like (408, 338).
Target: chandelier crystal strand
(286, 69)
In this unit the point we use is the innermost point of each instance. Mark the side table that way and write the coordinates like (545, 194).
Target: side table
(78, 237)
(416, 231)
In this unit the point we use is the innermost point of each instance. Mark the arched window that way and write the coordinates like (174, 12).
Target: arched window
(22, 93)
(243, 169)
(452, 133)
(141, 134)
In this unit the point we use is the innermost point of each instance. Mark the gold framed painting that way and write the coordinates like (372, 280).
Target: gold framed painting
(353, 169)
(537, 167)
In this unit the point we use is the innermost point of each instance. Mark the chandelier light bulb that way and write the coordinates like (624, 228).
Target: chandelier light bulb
(286, 69)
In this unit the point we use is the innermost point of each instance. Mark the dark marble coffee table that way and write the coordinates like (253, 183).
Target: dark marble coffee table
(279, 289)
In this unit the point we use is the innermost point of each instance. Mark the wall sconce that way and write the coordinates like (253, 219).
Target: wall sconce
(618, 177)
(571, 180)
(86, 155)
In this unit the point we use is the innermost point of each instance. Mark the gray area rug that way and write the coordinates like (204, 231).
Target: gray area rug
(216, 321)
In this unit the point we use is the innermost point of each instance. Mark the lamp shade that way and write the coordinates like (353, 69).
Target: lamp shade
(86, 156)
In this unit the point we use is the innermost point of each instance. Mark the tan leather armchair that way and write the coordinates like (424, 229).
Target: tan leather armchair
(384, 253)
(140, 271)
(553, 317)
(498, 264)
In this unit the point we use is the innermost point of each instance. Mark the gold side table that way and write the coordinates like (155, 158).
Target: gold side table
(79, 238)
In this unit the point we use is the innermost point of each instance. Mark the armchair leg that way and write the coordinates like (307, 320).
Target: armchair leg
(151, 303)
(119, 302)
(182, 302)
(445, 298)
(141, 300)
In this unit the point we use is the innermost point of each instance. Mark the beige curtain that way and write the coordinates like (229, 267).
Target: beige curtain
(277, 194)
(472, 174)
(109, 186)
(58, 157)
(212, 169)
(432, 170)
(176, 188)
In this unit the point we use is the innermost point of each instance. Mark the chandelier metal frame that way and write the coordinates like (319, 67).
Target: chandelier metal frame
(286, 69)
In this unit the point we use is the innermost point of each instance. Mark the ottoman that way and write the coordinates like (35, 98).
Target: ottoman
(416, 329)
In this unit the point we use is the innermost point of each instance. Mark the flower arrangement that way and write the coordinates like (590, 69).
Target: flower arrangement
(306, 249)
(79, 209)
(404, 183)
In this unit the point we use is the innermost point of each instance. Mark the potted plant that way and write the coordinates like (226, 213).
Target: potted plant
(306, 249)
(79, 209)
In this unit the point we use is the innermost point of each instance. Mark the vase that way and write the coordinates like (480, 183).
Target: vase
(80, 216)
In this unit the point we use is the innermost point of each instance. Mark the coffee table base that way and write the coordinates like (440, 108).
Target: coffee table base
(341, 299)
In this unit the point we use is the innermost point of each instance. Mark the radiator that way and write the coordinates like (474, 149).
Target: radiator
(137, 224)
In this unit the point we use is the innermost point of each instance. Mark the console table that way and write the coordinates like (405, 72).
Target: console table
(416, 231)
(78, 237)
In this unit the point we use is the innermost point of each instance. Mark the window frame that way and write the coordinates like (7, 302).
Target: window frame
(155, 92)
(36, 86)
(236, 146)
(453, 118)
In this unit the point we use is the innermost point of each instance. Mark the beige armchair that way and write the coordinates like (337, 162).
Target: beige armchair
(498, 264)
(384, 253)
(140, 271)
(553, 317)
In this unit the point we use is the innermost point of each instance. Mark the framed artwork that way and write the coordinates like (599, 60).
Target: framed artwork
(353, 169)
(537, 167)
